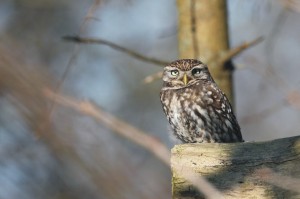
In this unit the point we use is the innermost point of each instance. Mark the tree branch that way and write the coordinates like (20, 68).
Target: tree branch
(115, 124)
(237, 50)
(153, 77)
(131, 133)
(76, 50)
(285, 182)
(220, 59)
(131, 53)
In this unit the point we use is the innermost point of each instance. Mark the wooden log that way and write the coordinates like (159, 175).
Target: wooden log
(231, 168)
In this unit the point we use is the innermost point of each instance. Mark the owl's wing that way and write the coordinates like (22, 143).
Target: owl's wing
(215, 98)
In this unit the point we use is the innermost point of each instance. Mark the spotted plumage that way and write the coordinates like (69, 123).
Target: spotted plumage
(197, 110)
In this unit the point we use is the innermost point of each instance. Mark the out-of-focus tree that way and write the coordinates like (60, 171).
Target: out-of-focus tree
(203, 34)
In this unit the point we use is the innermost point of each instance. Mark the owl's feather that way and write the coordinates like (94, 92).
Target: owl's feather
(198, 111)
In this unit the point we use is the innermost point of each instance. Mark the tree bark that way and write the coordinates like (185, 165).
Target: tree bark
(232, 167)
(203, 35)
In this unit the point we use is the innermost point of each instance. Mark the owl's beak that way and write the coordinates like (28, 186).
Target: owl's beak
(185, 79)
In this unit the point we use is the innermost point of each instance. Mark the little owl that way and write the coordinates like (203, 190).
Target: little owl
(197, 110)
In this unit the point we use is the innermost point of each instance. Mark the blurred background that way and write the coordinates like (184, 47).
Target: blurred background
(67, 154)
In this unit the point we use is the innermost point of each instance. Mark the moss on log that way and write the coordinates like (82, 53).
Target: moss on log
(231, 167)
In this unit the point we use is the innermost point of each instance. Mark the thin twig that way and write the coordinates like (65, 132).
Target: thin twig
(237, 50)
(222, 59)
(153, 77)
(133, 134)
(127, 51)
(293, 5)
(264, 113)
(199, 182)
(282, 181)
(293, 99)
(76, 51)
(115, 124)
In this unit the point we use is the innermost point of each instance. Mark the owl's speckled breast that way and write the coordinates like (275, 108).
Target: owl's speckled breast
(185, 117)
(197, 110)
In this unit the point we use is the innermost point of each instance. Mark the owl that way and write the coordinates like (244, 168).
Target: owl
(197, 110)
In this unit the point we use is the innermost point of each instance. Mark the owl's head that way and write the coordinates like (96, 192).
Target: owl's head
(185, 72)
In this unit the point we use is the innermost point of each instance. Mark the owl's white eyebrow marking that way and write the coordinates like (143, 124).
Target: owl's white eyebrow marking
(200, 66)
(169, 68)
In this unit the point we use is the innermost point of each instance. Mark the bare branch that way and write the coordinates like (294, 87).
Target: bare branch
(293, 99)
(133, 134)
(76, 50)
(222, 59)
(264, 113)
(293, 5)
(285, 182)
(200, 183)
(153, 77)
(237, 50)
(90, 14)
(132, 53)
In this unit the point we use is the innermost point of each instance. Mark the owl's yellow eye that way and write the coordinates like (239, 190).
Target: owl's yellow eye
(174, 72)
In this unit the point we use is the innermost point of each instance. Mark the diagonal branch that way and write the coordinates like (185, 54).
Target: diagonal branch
(221, 59)
(151, 78)
(237, 50)
(132, 53)
(133, 134)
(282, 181)
(76, 51)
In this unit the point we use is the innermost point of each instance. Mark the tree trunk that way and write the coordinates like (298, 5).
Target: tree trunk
(232, 168)
(203, 35)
